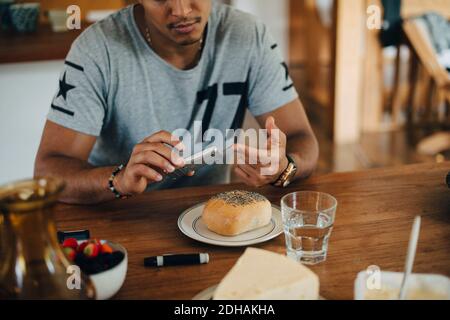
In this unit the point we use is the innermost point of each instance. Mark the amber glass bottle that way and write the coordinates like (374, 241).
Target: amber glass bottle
(32, 264)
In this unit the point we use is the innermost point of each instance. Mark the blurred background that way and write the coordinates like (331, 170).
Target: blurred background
(373, 75)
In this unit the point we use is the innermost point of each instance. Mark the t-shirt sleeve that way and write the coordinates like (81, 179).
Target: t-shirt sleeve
(80, 101)
(270, 86)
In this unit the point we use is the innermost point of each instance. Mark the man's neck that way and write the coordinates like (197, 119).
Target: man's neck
(181, 57)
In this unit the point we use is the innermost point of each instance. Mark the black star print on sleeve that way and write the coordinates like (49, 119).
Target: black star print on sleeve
(64, 87)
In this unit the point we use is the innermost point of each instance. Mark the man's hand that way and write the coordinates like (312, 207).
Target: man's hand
(149, 161)
(270, 163)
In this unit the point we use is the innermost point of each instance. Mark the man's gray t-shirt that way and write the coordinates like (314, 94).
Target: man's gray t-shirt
(115, 87)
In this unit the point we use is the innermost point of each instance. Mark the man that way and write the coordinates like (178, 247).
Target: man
(158, 66)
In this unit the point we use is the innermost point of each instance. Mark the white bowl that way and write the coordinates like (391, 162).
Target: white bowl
(386, 286)
(107, 283)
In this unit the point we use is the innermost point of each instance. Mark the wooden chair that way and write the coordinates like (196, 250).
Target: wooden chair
(434, 116)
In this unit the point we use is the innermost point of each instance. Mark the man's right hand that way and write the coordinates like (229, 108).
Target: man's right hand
(148, 162)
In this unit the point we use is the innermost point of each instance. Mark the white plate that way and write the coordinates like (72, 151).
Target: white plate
(191, 224)
(208, 294)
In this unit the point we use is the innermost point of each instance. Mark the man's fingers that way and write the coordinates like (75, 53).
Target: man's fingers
(254, 175)
(141, 170)
(246, 154)
(276, 137)
(170, 155)
(251, 155)
(162, 150)
(270, 124)
(246, 178)
(166, 137)
(273, 132)
(155, 160)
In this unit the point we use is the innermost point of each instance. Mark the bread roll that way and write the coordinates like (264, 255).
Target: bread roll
(235, 212)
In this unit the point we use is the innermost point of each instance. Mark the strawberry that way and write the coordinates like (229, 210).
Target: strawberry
(70, 243)
(70, 253)
(106, 248)
(91, 250)
(82, 246)
(97, 243)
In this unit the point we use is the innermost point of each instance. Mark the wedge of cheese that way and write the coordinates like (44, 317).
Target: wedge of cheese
(265, 275)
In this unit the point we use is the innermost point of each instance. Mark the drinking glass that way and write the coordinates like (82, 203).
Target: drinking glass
(308, 219)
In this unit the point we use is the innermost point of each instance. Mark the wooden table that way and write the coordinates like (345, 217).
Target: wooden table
(374, 216)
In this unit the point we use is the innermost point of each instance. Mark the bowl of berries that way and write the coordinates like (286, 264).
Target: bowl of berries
(105, 263)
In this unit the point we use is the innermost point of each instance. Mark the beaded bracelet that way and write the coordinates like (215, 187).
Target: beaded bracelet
(117, 194)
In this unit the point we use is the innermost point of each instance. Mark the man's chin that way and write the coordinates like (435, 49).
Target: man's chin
(189, 42)
(187, 39)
